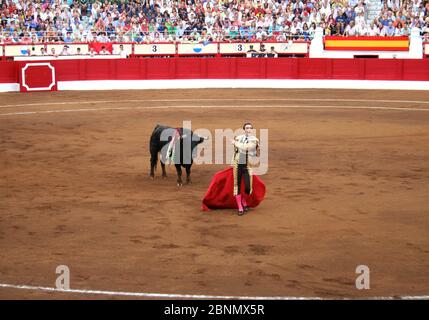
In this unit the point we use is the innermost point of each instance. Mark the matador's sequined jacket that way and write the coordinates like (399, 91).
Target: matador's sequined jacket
(244, 147)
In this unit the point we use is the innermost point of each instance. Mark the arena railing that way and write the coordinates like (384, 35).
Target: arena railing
(297, 48)
(291, 48)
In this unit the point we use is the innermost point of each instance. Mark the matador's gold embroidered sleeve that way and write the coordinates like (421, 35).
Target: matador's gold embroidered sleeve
(251, 144)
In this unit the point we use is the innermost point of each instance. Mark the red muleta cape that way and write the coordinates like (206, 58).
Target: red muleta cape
(220, 192)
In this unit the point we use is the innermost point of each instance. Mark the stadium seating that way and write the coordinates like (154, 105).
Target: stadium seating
(152, 21)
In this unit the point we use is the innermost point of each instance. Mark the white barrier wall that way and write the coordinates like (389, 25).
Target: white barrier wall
(316, 49)
(197, 48)
(155, 49)
(35, 50)
(17, 50)
(84, 48)
(280, 47)
(68, 57)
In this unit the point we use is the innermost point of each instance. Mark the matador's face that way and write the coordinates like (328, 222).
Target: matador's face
(248, 129)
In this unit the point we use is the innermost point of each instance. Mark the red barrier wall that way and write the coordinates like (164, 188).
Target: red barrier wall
(8, 72)
(38, 77)
(229, 68)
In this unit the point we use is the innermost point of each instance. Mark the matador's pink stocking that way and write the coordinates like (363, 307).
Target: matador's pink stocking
(239, 205)
(243, 201)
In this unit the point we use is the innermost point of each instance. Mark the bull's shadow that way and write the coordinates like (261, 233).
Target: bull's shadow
(177, 146)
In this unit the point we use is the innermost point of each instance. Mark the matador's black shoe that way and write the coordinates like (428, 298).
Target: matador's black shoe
(240, 212)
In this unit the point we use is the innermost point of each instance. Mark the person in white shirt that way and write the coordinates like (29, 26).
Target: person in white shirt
(65, 51)
(121, 52)
(373, 29)
(92, 52)
(361, 29)
(53, 53)
(326, 8)
(360, 8)
(102, 37)
(351, 29)
(360, 19)
(295, 28)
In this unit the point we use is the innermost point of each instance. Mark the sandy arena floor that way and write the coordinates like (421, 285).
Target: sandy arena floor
(347, 185)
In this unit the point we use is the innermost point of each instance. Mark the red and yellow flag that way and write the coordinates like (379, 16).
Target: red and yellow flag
(367, 43)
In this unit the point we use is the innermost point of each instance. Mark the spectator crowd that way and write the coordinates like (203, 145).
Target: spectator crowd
(68, 21)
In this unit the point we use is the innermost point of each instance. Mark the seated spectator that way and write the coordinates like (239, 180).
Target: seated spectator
(7, 39)
(262, 50)
(92, 52)
(251, 52)
(251, 49)
(102, 37)
(425, 28)
(68, 38)
(15, 37)
(389, 30)
(295, 29)
(272, 53)
(34, 38)
(351, 30)
(361, 28)
(121, 52)
(53, 53)
(25, 39)
(104, 50)
(65, 51)
(306, 32)
(282, 37)
(373, 30)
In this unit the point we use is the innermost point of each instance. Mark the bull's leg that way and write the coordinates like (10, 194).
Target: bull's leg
(164, 174)
(188, 174)
(152, 172)
(153, 161)
(179, 175)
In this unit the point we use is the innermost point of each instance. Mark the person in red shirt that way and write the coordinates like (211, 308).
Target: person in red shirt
(144, 27)
(259, 11)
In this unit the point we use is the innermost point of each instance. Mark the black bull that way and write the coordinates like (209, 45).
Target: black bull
(184, 150)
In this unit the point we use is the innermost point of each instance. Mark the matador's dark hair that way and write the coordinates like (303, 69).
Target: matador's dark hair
(244, 125)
